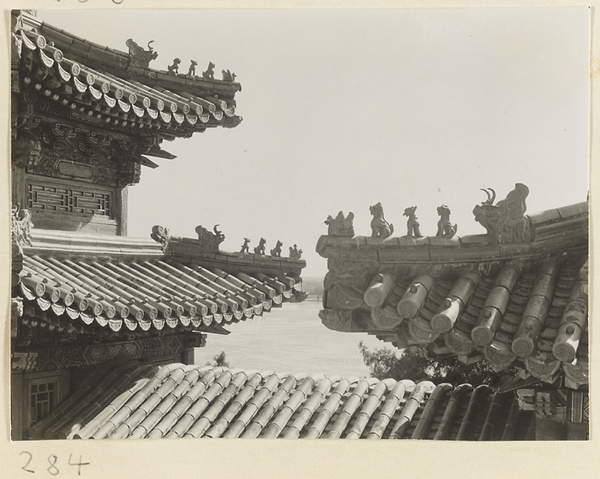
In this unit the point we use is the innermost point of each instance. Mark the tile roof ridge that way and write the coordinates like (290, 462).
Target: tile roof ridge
(93, 425)
(90, 386)
(176, 406)
(190, 406)
(244, 395)
(211, 413)
(65, 243)
(134, 403)
(452, 411)
(270, 408)
(431, 407)
(308, 408)
(48, 29)
(411, 406)
(387, 411)
(368, 408)
(138, 420)
(156, 423)
(480, 393)
(328, 409)
(351, 405)
(190, 420)
(252, 407)
(291, 405)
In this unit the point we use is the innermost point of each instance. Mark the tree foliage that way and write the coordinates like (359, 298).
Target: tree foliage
(219, 360)
(406, 364)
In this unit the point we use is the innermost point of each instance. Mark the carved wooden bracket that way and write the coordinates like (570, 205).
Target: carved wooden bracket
(23, 361)
(21, 227)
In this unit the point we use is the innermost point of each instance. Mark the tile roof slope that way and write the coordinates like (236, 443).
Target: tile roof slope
(179, 401)
(520, 304)
(103, 83)
(88, 283)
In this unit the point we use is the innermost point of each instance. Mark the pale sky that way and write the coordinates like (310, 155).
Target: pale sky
(343, 109)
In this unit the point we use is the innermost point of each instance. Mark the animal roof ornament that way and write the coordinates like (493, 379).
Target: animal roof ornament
(139, 57)
(210, 241)
(505, 221)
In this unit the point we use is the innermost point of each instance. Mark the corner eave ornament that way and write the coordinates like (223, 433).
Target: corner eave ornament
(505, 221)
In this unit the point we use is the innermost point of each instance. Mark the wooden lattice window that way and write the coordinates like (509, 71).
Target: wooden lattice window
(68, 200)
(42, 398)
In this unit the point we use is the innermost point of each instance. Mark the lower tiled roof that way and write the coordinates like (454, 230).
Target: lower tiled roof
(178, 401)
(144, 293)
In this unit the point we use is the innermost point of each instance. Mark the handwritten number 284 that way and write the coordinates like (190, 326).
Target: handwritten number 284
(52, 468)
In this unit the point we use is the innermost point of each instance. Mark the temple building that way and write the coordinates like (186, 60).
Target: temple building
(85, 120)
(515, 297)
(103, 326)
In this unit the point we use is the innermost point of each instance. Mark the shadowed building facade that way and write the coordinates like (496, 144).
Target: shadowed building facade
(85, 120)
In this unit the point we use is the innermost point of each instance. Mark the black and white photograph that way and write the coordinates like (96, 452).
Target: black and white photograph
(299, 224)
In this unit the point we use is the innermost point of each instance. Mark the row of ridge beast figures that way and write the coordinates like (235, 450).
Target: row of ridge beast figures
(505, 221)
(381, 228)
(142, 58)
(295, 253)
(210, 241)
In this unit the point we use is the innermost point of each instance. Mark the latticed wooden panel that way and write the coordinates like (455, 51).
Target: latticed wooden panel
(68, 200)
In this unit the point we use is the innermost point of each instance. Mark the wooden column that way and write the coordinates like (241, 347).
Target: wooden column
(122, 198)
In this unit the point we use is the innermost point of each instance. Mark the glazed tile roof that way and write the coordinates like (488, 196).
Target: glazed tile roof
(107, 87)
(521, 304)
(84, 282)
(178, 401)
